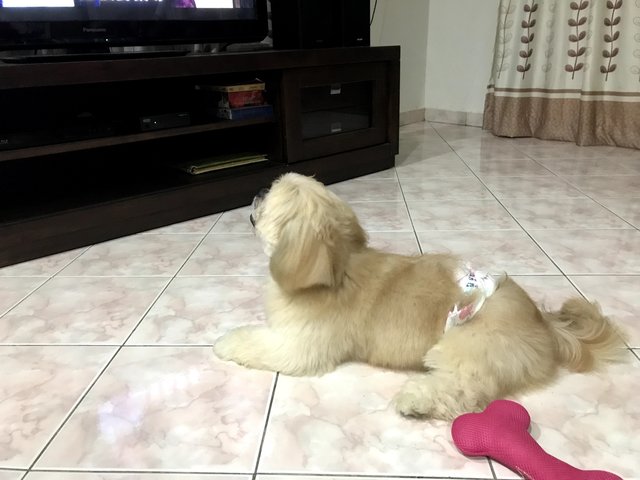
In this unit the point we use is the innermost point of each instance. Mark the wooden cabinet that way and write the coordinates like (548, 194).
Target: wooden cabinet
(70, 177)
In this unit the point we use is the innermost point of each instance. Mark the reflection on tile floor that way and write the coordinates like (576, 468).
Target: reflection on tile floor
(11, 474)
(166, 408)
(332, 424)
(562, 219)
(127, 476)
(39, 387)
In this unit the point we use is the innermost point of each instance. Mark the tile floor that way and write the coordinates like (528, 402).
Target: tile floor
(107, 371)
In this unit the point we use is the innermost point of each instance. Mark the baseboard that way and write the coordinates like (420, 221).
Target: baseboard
(475, 119)
(456, 118)
(412, 116)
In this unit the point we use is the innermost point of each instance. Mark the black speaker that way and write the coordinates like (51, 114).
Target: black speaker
(355, 23)
(319, 23)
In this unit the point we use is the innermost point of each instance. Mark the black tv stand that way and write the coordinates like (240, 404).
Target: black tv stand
(89, 56)
(76, 167)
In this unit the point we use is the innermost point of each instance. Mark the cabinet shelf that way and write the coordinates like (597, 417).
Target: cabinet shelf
(107, 188)
(99, 142)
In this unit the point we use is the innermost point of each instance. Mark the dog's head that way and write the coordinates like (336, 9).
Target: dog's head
(308, 232)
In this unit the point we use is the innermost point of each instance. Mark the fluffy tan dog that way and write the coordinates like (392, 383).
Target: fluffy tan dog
(332, 299)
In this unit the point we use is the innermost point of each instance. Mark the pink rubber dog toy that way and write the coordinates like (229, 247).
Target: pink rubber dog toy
(501, 432)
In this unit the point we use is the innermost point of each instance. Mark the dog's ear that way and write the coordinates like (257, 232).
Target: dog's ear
(305, 258)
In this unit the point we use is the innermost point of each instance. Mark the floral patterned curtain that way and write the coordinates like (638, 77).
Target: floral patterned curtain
(567, 70)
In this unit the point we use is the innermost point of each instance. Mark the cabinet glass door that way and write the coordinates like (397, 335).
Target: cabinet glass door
(333, 111)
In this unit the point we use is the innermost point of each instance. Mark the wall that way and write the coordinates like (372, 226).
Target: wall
(460, 41)
(447, 50)
(404, 23)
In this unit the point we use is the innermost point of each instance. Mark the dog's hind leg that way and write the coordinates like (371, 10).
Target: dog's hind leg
(459, 377)
(444, 395)
(507, 348)
(471, 367)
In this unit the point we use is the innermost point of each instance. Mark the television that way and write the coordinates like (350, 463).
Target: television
(96, 25)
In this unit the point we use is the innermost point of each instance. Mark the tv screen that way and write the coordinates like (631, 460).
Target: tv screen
(64, 23)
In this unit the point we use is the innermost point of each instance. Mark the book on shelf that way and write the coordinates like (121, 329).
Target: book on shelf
(236, 95)
(221, 162)
(243, 113)
(249, 98)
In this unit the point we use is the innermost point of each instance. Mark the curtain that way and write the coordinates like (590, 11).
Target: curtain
(567, 70)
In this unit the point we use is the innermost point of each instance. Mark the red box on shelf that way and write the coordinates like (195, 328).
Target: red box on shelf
(236, 95)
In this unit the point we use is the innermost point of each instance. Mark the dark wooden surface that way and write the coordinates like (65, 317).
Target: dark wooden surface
(64, 223)
(99, 71)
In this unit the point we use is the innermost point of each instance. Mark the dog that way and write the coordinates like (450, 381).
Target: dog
(333, 299)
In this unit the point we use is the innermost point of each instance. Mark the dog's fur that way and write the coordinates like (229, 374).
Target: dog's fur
(332, 299)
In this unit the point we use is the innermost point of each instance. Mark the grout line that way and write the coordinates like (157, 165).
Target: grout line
(167, 345)
(229, 234)
(598, 203)
(42, 277)
(493, 472)
(360, 202)
(583, 229)
(573, 274)
(513, 229)
(84, 250)
(266, 425)
(356, 202)
(406, 206)
(447, 124)
(204, 237)
(47, 280)
(614, 213)
(27, 296)
(101, 345)
(168, 277)
(24, 297)
(387, 476)
(233, 275)
(189, 473)
(539, 163)
(388, 231)
(25, 344)
(162, 234)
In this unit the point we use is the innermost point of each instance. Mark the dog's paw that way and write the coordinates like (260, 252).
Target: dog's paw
(235, 346)
(421, 399)
(410, 401)
(428, 397)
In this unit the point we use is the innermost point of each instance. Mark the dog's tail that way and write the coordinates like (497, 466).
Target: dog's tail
(585, 338)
